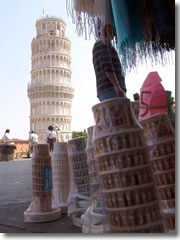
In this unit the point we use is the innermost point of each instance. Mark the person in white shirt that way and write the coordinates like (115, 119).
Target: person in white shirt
(6, 138)
(51, 138)
(34, 139)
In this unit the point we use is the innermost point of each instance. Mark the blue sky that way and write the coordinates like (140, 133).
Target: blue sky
(17, 24)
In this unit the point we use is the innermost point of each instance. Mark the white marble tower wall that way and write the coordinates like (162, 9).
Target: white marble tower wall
(50, 90)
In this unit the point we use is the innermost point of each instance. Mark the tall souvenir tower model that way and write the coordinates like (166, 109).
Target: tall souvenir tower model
(50, 90)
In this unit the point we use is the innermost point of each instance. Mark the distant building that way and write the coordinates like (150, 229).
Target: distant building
(50, 91)
(22, 148)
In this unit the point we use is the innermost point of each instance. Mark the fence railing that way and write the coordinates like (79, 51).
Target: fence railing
(50, 16)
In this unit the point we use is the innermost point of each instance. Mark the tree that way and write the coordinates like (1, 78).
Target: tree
(79, 134)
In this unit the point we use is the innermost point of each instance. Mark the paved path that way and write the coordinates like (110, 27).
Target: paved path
(15, 182)
(12, 220)
(15, 198)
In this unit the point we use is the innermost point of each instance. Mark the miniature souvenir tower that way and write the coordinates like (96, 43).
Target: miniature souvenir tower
(40, 209)
(161, 140)
(79, 164)
(93, 218)
(80, 198)
(50, 91)
(130, 197)
(60, 174)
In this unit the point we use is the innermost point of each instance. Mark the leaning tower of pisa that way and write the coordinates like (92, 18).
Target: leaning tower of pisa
(50, 90)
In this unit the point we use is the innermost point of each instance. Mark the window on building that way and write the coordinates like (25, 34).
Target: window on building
(51, 32)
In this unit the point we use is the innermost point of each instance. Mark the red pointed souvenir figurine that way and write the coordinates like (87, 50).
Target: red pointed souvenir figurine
(152, 97)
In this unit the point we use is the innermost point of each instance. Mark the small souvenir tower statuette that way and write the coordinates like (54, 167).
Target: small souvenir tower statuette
(80, 199)
(130, 197)
(40, 209)
(60, 174)
(161, 141)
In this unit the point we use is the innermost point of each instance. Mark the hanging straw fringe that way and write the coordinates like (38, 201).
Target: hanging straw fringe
(145, 29)
(85, 15)
(84, 6)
